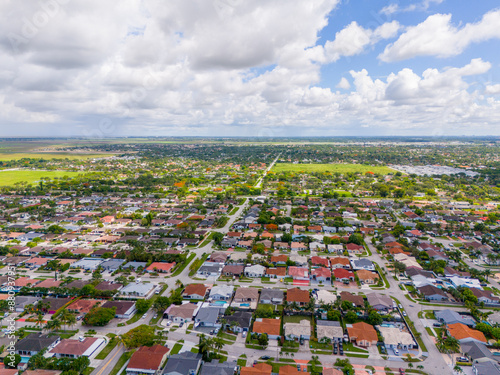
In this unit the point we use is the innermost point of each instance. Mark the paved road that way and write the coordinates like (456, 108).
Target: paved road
(259, 181)
(110, 361)
(435, 363)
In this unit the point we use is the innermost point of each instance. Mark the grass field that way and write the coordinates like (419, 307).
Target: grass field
(9, 178)
(42, 155)
(340, 168)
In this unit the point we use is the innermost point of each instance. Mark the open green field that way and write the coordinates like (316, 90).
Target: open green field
(334, 168)
(42, 155)
(9, 178)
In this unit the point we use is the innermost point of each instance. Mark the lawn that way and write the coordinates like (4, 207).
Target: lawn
(108, 348)
(295, 318)
(8, 178)
(340, 168)
(176, 348)
(46, 156)
(123, 359)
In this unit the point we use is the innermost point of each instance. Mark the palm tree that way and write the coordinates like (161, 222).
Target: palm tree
(67, 318)
(218, 344)
(53, 324)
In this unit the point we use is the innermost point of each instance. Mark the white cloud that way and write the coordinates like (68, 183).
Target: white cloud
(493, 89)
(354, 39)
(344, 84)
(395, 8)
(436, 36)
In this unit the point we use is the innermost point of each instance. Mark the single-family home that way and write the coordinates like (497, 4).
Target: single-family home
(363, 334)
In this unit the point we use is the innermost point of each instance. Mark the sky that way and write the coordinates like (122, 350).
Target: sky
(268, 68)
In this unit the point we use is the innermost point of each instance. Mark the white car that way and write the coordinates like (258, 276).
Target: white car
(396, 352)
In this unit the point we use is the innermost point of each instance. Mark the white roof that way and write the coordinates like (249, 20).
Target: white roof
(394, 336)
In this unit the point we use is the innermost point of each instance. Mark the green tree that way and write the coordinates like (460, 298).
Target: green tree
(263, 339)
(333, 315)
(374, 318)
(142, 335)
(99, 316)
(143, 305)
(161, 304)
(217, 237)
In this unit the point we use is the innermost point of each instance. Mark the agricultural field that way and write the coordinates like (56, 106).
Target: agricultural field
(46, 156)
(8, 178)
(339, 168)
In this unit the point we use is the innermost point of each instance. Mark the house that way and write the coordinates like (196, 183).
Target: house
(221, 293)
(357, 301)
(298, 273)
(245, 298)
(380, 302)
(276, 272)
(208, 316)
(22, 301)
(396, 338)
(340, 262)
(484, 296)
(335, 248)
(485, 368)
(319, 261)
(160, 267)
(325, 297)
(233, 270)
(112, 265)
(68, 348)
(269, 326)
(362, 264)
(478, 352)
(195, 291)
(89, 264)
(298, 246)
(210, 269)
(296, 331)
(299, 296)
(271, 296)
(218, 257)
(259, 369)
(321, 275)
(34, 343)
(363, 334)
(354, 249)
(451, 317)
(185, 363)
(147, 360)
(432, 293)
(239, 321)
(138, 290)
(279, 260)
(181, 313)
(55, 304)
(124, 309)
(465, 334)
(330, 329)
(367, 277)
(219, 368)
(255, 271)
(83, 306)
(343, 275)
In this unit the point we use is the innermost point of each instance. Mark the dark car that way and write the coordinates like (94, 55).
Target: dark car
(341, 351)
(265, 357)
(401, 371)
(335, 351)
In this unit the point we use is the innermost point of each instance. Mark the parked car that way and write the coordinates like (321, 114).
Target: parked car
(401, 371)
(244, 334)
(396, 352)
(437, 325)
(341, 351)
(180, 325)
(335, 351)
(463, 359)
(265, 357)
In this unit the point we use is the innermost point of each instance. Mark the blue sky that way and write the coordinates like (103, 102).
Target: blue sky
(249, 68)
